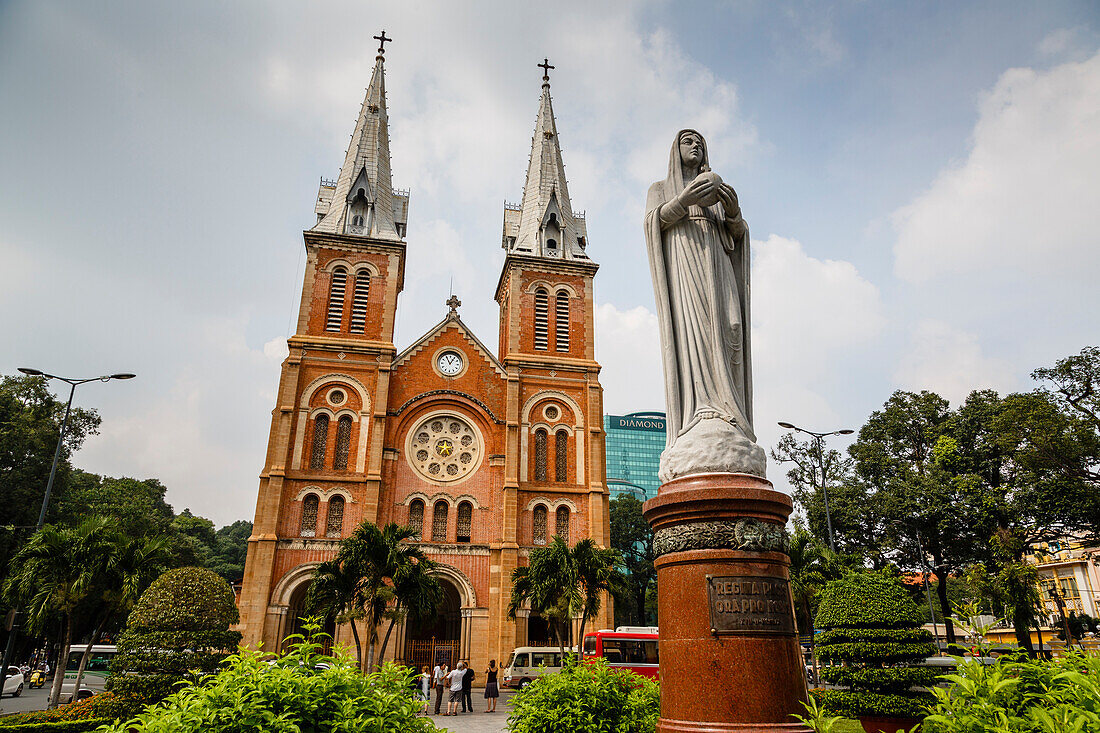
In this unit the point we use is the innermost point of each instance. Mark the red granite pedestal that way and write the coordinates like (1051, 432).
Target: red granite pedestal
(730, 658)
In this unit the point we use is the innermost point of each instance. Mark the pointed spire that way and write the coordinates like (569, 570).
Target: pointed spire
(363, 202)
(546, 225)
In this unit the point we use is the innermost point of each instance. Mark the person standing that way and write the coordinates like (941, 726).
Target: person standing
(440, 678)
(467, 685)
(425, 687)
(491, 691)
(455, 680)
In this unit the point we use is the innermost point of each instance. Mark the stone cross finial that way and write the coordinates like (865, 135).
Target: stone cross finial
(382, 42)
(545, 66)
(453, 302)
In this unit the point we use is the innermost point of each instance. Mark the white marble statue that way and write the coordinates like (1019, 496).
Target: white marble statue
(698, 247)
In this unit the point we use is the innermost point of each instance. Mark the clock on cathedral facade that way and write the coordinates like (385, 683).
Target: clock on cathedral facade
(485, 454)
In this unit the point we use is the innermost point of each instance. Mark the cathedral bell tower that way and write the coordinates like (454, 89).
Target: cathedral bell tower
(547, 344)
(323, 467)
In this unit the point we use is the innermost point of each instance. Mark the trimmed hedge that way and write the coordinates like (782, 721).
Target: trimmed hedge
(58, 726)
(178, 632)
(871, 640)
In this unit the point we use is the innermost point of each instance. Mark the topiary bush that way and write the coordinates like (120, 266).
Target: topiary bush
(299, 692)
(587, 698)
(177, 632)
(871, 641)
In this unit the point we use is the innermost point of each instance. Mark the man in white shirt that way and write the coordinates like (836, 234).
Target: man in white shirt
(455, 679)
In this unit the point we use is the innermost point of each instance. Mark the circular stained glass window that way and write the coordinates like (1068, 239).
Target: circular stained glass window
(551, 412)
(444, 448)
(336, 397)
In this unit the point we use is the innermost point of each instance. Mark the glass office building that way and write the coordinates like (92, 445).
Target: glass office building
(633, 448)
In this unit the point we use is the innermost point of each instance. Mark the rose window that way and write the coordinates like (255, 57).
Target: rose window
(444, 448)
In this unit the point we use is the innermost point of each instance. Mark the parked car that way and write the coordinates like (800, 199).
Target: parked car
(13, 683)
(528, 663)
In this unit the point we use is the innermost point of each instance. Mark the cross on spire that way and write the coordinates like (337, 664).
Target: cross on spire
(545, 66)
(382, 42)
(454, 302)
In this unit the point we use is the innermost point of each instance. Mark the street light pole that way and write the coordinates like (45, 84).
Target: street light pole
(819, 453)
(73, 383)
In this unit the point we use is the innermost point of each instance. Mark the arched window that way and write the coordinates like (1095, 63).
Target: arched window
(334, 523)
(343, 442)
(540, 455)
(416, 518)
(561, 320)
(465, 519)
(562, 525)
(336, 299)
(538, 525)
(320, 441)
(561, 455)
(439, 522)
(359, 301)
(542, 315)
(309, 516)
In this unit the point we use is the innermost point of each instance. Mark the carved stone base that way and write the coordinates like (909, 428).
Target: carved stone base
(730, 659)
(713, 445)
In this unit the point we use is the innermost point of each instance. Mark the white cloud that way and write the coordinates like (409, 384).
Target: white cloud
(950, 362)
(629, 350)
(1022, 204)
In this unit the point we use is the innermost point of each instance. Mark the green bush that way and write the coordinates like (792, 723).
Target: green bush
(96, 708)
(587, 698)
(57, 726)
(177, 633)
(871, 641)
(1060, 696)
(300, 692)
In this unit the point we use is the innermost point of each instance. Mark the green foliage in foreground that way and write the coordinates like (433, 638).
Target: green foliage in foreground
(57, 726)
(301, 692)
(1061, 696)
(587, 698)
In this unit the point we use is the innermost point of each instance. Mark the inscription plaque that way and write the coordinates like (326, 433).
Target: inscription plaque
(749, 604)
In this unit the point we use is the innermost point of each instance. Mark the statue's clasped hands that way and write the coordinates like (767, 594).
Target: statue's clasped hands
(708, 189)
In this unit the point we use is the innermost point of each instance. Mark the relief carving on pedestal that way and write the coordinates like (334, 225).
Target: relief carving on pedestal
(747, 534)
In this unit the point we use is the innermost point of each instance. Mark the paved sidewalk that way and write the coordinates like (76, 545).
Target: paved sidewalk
(479, 721)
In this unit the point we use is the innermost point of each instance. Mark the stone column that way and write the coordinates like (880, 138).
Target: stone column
(730, 657)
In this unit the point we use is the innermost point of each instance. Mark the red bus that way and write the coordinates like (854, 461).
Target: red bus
(627, 647)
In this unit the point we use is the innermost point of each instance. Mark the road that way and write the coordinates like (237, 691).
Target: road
(28, 701)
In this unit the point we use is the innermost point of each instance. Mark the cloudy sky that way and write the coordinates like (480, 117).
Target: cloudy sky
(921, 181)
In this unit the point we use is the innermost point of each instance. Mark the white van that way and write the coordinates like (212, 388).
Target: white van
(95, 673)
(528, 663)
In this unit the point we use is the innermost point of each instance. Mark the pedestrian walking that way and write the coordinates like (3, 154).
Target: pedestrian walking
(467, 686)
(440, 678)
(491, 691)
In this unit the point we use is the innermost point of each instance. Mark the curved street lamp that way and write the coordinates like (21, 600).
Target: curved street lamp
(819, 453)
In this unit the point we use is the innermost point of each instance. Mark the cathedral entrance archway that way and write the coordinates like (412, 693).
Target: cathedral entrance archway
(438, 641)
(297, 612)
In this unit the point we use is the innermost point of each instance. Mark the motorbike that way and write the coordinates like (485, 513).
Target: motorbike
(37, 679)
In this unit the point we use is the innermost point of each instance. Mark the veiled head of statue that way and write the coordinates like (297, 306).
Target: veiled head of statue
(693, 149)
(689, 150)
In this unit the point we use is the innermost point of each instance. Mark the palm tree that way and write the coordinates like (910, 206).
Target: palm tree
(416, 594)
(334, 591)
(54, 573)
(598, 573)
(124, 574)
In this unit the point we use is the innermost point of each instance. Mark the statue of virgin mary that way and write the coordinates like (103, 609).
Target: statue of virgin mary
(698, 245)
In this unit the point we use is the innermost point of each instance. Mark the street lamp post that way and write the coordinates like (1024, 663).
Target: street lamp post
(819, 453)
(73, 383)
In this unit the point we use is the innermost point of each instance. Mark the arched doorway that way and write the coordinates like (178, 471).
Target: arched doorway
(437, 641)
(296, 612)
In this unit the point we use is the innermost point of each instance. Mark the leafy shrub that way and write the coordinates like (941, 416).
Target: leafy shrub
(300, 692)
(1020, 696)
(96, 707)
(587, 698)
(56, 726)
(872, 638)
(177, 632)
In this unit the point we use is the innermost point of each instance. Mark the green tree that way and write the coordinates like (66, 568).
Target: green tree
(548, 585)
(417, 595)
(54, 573)
(232, 548)
(598, 574)
(137, 507)
(632, 536)
(334, 592)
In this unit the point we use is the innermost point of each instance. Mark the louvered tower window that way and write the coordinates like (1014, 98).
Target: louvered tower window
(439, 522)
(540, 455)
(562, 528)
(334, 523)
(561, 321)
(320, 442)
(359, 301)
(343, 443)
(561, 448)
(542, 315)
(336, 299)
(539, 525)
(465, 519)
(309, 516)
(416, 518)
